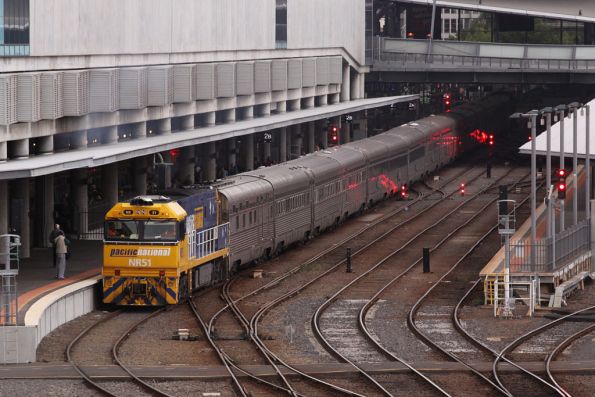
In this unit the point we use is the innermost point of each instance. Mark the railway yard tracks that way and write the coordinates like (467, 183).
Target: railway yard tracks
(309, 311)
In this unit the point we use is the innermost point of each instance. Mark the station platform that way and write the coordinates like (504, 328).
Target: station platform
(37, 276)
(559, 278)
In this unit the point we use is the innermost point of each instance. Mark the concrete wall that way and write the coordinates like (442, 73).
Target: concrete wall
(113, 27)
(327, 23)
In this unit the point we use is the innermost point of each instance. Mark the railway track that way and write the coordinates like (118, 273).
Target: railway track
(336, 258)
(128, 323)
(385, 262)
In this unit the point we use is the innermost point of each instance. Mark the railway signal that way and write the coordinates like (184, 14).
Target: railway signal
(462, 189)
(561, 184)
(447, 101)
(404, 192)
(334, 136)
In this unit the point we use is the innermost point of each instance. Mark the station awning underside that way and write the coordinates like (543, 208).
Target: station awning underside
(124, 150)
(541, 141)
(575, 10)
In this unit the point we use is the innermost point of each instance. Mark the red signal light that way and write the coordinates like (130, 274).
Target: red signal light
(334, 138)
(561, 173)
(334, 129)
(562, 186)
(446, 96)
(491, 143)
(491, 136)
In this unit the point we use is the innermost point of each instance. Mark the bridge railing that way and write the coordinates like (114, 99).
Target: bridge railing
(481, 55)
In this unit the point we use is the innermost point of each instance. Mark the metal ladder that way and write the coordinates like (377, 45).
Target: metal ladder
(488, 287)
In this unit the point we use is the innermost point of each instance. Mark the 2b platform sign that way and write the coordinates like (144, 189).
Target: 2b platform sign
(348, 118)
(268, 137)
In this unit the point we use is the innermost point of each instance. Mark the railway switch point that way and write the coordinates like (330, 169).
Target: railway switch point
(257, 273)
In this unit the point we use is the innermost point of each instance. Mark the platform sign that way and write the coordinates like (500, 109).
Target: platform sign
(268, 137)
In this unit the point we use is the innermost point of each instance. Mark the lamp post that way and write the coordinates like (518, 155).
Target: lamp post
(587, 163)
(548, 165)
(574, 108)
(532, 116)
(561, 112)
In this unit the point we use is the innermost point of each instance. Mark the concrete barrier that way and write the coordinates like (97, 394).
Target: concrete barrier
(19, 344)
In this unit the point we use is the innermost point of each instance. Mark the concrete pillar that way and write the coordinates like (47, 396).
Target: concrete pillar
(78, 140)
(309, 103)
(248, 149)
(231, 155)
(294, 105)
(334, 98)
(362, 85)
(139, 130)
(22, 196)
(140, 175)
(211, 119)
(323, 136)
(164, 126)
(3, 207)
(109, 134)
(45, 145)
(265, 110)
(248, 112)
(47, 210)
(282, 144)
(323, 100)
(3, 151)
(345, 133)
(109, 176)
(20, 149)
(310, 129)
(80, 193)
(211, 161)
(266, 152)
(230, 116)
(281, 107)
(355, 85)
(187, 122)
(186, 172)
(297, 141)
(346, 85)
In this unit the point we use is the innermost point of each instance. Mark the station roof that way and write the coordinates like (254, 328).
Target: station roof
(541, 141)
(96, 156)
(576, 10)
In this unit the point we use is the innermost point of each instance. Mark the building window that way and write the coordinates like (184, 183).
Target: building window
(14, 32)
(281, 24)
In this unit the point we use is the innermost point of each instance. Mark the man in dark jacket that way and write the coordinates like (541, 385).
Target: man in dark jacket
(52, 238)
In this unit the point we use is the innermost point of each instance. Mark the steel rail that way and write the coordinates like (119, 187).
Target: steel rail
(256, 318)
(264, 309)
(294, 270)
(246, 324)
(415, 308)
(153, 390)
(512, 345)
(559, 349)
(78, 369)
(330, 300)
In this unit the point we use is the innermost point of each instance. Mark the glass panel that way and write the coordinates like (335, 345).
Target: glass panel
(160, 230)
(121, 230)
(476, 27)
(281, 24)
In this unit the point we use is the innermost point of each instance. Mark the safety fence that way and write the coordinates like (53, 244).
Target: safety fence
(550, 254)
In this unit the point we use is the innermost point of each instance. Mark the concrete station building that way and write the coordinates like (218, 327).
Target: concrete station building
(94, 94)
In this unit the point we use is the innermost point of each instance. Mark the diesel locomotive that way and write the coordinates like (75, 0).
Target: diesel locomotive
(159, 248)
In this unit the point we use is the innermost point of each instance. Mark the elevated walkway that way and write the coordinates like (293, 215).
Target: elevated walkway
(485, 62)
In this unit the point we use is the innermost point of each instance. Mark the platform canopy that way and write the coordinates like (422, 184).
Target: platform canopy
(575, 10)
(94, 156)
(541, 141)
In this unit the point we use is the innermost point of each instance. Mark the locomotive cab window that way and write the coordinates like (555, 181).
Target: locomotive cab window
(122, 230)
(160, 230)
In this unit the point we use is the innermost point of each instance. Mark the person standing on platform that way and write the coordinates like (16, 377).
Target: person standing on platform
(61, 243)
(53, 234)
